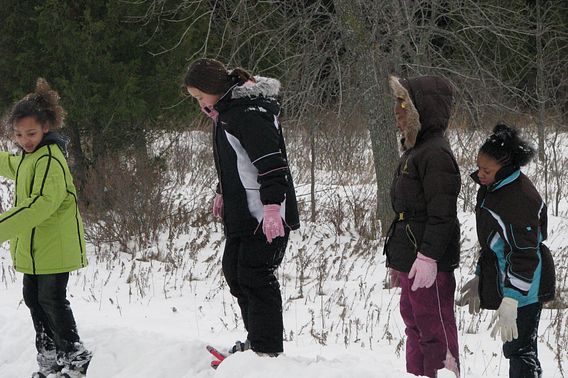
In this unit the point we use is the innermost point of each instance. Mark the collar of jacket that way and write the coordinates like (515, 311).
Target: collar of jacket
(52, 137)
(504, 177)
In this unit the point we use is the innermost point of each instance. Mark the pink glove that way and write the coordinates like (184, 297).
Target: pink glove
(272, 224)
(218, 206)
(425, 269)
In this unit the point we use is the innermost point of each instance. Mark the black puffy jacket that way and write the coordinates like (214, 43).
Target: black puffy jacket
(427, 181)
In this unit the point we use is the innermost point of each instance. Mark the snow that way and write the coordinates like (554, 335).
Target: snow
(149, 319)
(142, 320)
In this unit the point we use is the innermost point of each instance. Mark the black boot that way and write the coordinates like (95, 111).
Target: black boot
(240, 346)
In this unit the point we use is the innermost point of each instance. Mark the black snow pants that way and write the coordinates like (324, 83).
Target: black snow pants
(522, 352)
(249, 265)
(57, 341)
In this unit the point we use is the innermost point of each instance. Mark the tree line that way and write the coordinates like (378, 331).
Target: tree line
(117, 64)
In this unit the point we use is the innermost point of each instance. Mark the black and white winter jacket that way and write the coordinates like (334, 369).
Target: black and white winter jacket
(250, 158)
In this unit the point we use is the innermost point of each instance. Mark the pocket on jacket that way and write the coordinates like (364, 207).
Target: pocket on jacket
(399, 249)
(415, 233)
(524, 237)
(547, 289)
(490, 293)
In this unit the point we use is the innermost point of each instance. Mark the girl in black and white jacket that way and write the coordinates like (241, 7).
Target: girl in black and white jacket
(255, 193)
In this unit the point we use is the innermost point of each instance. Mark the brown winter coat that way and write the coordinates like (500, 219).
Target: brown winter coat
(427, 181)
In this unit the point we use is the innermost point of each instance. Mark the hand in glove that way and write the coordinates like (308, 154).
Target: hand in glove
(470, 295)
(506, 316)
(272, 225)
(425, 269)
(218, 205)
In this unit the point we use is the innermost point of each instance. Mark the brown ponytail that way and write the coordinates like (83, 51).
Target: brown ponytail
(240, 75)
(42, 104)
(211, 76)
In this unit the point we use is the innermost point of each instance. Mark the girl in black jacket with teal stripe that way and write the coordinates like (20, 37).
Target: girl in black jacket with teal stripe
(515, 272)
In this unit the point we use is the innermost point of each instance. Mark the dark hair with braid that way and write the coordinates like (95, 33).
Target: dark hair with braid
(506, 147)
(211, 76)
(42, 104)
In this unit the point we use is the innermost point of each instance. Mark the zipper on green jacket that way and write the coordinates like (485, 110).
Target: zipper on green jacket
(32, 251)
(16, 204)
(16, 181)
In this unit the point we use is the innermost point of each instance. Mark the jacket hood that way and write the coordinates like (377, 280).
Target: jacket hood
(262, 86)
(430, 102)
(258, 95)
(54, 138)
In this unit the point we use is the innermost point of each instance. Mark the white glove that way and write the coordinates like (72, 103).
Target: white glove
(470, 295)
(506, 316)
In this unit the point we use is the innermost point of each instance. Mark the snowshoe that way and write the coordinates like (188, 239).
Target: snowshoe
(219, 357)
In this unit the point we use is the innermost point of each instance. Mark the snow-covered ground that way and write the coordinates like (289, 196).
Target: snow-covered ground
(148, 319)
(145, 319)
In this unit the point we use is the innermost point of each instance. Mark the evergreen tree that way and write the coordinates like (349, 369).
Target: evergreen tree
(99, 61)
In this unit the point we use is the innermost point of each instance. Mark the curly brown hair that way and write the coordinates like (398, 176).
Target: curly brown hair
(42, 104)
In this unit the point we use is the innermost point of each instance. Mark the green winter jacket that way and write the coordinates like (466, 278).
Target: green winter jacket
(44, 226)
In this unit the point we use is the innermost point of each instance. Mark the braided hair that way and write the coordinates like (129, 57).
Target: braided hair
(42, 104)
(506, 147)
(211, 76)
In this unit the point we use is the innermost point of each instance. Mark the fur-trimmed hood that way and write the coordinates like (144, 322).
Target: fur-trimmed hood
(259, 95)
(262, 86)
(429, 100)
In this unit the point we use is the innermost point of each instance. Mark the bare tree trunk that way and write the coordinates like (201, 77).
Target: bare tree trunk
(80, 162)
(540, 85)
(559, 186)
(371, 78)
(383, 140)
(313, 155)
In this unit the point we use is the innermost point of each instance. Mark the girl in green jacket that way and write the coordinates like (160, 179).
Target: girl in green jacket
(45, 229)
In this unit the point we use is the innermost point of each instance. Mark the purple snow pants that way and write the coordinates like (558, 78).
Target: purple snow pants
(431, 330)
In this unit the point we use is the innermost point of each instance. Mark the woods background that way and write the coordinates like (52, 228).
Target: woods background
(118, 66)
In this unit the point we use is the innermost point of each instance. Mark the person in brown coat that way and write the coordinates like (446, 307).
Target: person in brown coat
(422, 245)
